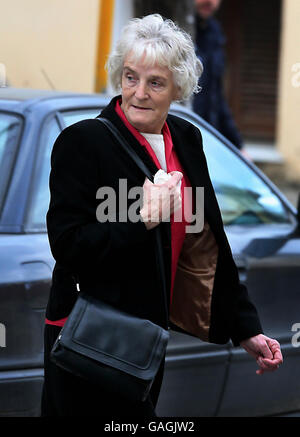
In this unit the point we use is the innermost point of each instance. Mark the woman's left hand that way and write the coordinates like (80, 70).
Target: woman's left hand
(266, 352)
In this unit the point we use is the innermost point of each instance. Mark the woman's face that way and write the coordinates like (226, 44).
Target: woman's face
(147, 93)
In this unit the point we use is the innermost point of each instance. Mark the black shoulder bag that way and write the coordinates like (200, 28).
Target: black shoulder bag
(120, 352)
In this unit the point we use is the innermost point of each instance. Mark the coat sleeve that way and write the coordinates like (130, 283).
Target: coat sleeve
(76, 237)
(245, 322)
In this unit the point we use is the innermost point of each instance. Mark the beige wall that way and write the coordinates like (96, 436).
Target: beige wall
(289, 93)
(58, 37)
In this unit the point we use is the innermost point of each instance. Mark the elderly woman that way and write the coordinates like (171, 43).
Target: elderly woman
(153, 64)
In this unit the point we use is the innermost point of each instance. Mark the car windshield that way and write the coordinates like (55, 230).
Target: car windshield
(244, 198)
(10, 127)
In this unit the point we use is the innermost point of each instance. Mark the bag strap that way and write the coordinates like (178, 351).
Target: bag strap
(157, 230)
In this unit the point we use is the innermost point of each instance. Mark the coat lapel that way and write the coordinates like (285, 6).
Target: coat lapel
(193, 161)
(189, 157)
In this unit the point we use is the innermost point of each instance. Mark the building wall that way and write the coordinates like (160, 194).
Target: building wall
(50, 43)
(123, 12)
(54, 44)
(289, 93)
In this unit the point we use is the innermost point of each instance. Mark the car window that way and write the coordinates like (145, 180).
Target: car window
(75, 116)
(10, 127)
(40, 195)
(243, 197)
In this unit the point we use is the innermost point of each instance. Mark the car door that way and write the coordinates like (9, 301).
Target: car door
(194, 377)
(270, 267)
(262, 232)
(26, 267)
(24, 279)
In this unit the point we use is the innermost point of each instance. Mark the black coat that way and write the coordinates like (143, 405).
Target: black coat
(116, 261)
(210, 103)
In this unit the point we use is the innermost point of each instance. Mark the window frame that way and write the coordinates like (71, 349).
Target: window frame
(30, 227)
(15, 155)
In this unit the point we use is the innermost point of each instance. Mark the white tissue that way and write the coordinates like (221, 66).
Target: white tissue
(161, 176)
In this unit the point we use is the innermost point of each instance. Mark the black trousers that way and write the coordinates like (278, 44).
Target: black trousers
(65, 394)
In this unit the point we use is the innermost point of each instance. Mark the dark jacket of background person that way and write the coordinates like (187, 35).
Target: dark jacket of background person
(210, 103)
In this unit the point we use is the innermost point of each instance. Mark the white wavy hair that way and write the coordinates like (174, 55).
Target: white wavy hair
(162, 42)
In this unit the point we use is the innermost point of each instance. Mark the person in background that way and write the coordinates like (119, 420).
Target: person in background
(210, 103)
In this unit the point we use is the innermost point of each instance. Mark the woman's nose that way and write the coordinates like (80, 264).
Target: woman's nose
(141, 90)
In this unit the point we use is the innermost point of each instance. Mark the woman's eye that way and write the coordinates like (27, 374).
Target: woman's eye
(130, 78)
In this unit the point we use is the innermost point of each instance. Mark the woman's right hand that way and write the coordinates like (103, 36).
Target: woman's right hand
(160, 201)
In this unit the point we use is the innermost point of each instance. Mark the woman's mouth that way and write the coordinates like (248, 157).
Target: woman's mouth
(140, 108)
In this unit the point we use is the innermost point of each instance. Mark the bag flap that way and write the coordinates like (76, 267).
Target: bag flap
(125, 342)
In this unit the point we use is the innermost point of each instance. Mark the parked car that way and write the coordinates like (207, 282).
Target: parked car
(201, 379)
